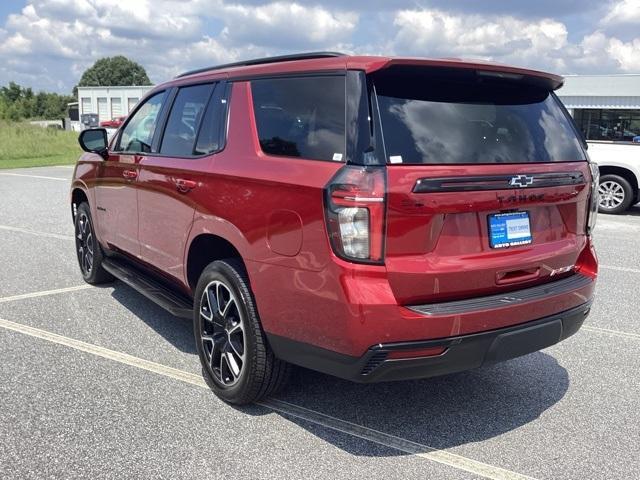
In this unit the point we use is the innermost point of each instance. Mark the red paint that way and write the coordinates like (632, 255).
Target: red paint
(419, 353)
(114, 122)
(271, 210)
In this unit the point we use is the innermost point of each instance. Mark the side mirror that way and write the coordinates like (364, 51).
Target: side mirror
(94, 140)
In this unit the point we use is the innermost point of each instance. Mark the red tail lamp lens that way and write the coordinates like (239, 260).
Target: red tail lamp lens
(355, 209)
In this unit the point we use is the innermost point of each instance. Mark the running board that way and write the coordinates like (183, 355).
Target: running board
(171, 301)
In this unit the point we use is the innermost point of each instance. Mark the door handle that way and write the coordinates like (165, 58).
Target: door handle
(185, 186)
(130, 174)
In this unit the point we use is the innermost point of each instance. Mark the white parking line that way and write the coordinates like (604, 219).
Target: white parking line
(327, 421)
(608, 331)
(620, 269)
(34, 232)
(34, 176)
(45, 293)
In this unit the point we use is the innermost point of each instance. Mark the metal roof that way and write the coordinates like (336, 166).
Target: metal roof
(601, 86)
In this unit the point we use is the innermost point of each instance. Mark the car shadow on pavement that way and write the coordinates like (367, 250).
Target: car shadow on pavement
(633, 211)
(177, 331)
(441, 412)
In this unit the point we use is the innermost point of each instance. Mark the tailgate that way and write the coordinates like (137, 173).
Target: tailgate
(438, 235)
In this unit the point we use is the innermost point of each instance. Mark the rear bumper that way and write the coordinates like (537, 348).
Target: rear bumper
(461, 353)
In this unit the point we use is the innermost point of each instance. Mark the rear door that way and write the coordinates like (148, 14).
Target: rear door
(488, 184)
(116, 186)
(172, 179)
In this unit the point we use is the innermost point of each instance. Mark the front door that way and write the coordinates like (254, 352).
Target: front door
(172, 182)
(116, 188)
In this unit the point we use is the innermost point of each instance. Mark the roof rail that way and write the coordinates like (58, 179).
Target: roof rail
(262, 61)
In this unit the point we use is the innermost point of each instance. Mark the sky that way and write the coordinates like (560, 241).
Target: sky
(47, 44)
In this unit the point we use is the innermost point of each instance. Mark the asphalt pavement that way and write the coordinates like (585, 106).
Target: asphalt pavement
(98, 382)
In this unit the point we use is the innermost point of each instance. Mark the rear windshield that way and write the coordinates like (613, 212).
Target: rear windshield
(439, 122)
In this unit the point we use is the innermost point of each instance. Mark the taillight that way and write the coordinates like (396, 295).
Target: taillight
(355, 210)
(594, 200)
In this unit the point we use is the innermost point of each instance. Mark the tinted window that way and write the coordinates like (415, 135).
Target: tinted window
(475, 122)
(301, 117)
(615, 125)
(138, 133)
(186, 114)
(213, 125)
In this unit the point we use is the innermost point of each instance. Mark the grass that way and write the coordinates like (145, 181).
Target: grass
(25, 145)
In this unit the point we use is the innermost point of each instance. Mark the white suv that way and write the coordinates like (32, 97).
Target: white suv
(619, 165)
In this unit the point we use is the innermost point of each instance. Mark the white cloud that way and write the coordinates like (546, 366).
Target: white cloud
(627, 54)
(51, 42)
(16, 44)
(623, 12)
(282, 24)
(436, 33)
(538, 44)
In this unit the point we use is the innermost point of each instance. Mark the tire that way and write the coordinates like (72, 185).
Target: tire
(237, 362)
(88, 250)
(616, 194)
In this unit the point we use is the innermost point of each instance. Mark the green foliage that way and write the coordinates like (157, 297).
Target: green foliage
(17, 103)
(24, 145)
(114, 71)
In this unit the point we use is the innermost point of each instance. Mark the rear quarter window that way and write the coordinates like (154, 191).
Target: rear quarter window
(468, 123)
(301, 117)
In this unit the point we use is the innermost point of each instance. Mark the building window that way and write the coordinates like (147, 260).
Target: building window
(612, 125)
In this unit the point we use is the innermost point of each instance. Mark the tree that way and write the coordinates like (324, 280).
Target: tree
(12, 92)
(114, 71)
(17, 103)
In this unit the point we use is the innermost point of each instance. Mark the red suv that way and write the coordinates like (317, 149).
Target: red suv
(373, 218)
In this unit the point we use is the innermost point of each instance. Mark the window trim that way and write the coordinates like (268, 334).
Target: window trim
(293, 75)
(163, 116)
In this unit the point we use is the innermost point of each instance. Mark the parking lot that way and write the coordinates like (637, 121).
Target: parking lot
(100, 382)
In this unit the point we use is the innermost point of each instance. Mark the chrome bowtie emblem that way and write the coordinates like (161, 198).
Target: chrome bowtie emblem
(521, 181)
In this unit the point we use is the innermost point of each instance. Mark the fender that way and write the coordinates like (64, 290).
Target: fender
(213, 225)
(84, 178)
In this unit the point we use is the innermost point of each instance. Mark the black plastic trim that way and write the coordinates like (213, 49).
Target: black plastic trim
(265, 60)
(461, 353)
(545, 290)
(172, 301)
(496, 182)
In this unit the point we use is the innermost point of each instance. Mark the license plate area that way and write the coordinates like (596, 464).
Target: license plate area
(509, 229)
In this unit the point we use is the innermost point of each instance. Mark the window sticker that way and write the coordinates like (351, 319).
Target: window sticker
(395, 159)
(337, 157)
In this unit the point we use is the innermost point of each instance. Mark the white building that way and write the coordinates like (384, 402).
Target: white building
(109, 102)
(605, 107)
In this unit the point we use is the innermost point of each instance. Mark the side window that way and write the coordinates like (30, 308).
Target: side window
(211, 134)
(185, 118)
(301, 117)
(138, 133)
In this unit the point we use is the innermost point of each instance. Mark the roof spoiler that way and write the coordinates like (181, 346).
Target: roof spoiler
(547, 81)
